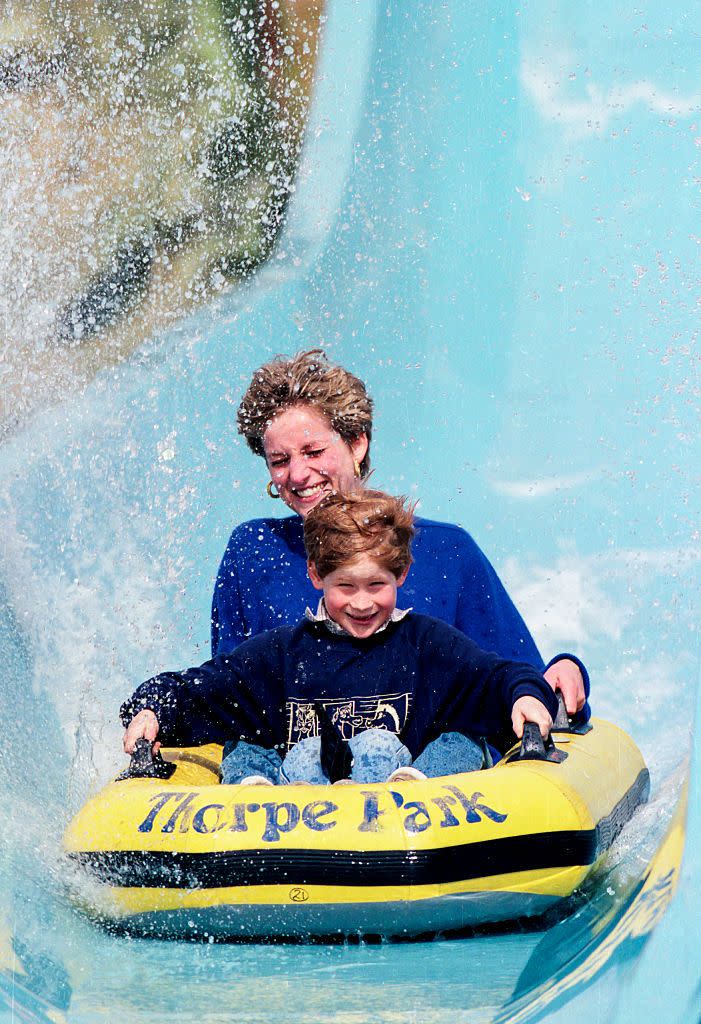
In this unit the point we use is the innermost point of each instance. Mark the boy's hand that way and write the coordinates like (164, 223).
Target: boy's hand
(566, 677)
(530, 709)
(144, 725)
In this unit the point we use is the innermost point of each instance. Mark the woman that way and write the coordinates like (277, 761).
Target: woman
(312, 423)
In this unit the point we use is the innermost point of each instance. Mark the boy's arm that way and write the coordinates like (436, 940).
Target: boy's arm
(530, 709)
(143, 725)
(232, 696)
(480, 689)
(196, 706)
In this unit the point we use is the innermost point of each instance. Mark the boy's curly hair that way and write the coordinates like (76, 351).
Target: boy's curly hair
(360, 522)
(307, 378)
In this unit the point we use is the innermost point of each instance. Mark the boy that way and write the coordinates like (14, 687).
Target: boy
(359, 688)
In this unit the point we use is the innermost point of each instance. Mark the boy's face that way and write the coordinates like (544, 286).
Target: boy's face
(359, 596)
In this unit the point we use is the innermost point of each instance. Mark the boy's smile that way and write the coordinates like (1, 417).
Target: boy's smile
(359, 596)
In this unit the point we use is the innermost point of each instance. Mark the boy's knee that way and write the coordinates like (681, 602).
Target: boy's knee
(245, 759)
(376, 754)
(454, 741)
(303, 762)
(449, 754)
(375, 741)
(305, 750)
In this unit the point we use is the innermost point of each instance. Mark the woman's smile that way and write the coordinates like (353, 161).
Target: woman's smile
(312, 490)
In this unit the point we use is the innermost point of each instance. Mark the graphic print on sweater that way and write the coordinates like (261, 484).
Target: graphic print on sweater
(350, 715)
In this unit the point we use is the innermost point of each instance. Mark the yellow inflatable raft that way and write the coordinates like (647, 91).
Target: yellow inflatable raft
(186, 856)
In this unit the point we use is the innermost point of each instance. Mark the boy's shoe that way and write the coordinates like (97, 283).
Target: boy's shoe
(343, 782)
(406, 774)
(256, 780)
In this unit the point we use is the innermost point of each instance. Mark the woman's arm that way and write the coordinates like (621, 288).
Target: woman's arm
(485, 612)
(568, 675)
(262, 582)
(498, 626)
(229, 628)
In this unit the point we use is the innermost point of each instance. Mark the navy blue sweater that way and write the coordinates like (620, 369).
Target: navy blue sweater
(417, 678)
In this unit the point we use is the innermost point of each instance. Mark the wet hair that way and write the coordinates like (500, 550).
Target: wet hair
(307, 378)
(359, 522)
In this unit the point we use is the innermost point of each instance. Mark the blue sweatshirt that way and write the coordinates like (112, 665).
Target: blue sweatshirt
(262, 583)
(417, 678)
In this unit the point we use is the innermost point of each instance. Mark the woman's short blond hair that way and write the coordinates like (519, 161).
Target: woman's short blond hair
(307, 378)
(359, 522)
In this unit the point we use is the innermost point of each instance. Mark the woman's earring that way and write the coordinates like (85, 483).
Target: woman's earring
(356, 467)
(269, 489)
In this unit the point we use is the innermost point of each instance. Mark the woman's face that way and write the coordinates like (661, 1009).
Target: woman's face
(307, 459)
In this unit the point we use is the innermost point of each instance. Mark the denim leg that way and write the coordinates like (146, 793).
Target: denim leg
(449, 754)
(246, 759)
(303, 763)
(376, 754)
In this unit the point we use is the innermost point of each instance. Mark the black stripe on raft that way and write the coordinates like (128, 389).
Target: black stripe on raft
(610, 826)
(173, 870)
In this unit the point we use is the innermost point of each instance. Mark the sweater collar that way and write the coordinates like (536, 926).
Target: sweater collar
(322, 615)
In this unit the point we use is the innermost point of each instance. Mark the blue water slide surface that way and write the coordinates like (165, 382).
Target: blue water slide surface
(495, 225)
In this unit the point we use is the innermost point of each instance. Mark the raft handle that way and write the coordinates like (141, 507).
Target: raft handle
(562, 719)
(534, 748)
(145, 764)
(563, 722)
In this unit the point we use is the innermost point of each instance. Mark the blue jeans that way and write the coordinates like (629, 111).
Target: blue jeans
(376, 754)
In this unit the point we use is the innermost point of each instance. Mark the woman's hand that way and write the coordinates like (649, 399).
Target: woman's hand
(142, 726)
(530, 709)
(566, 677)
